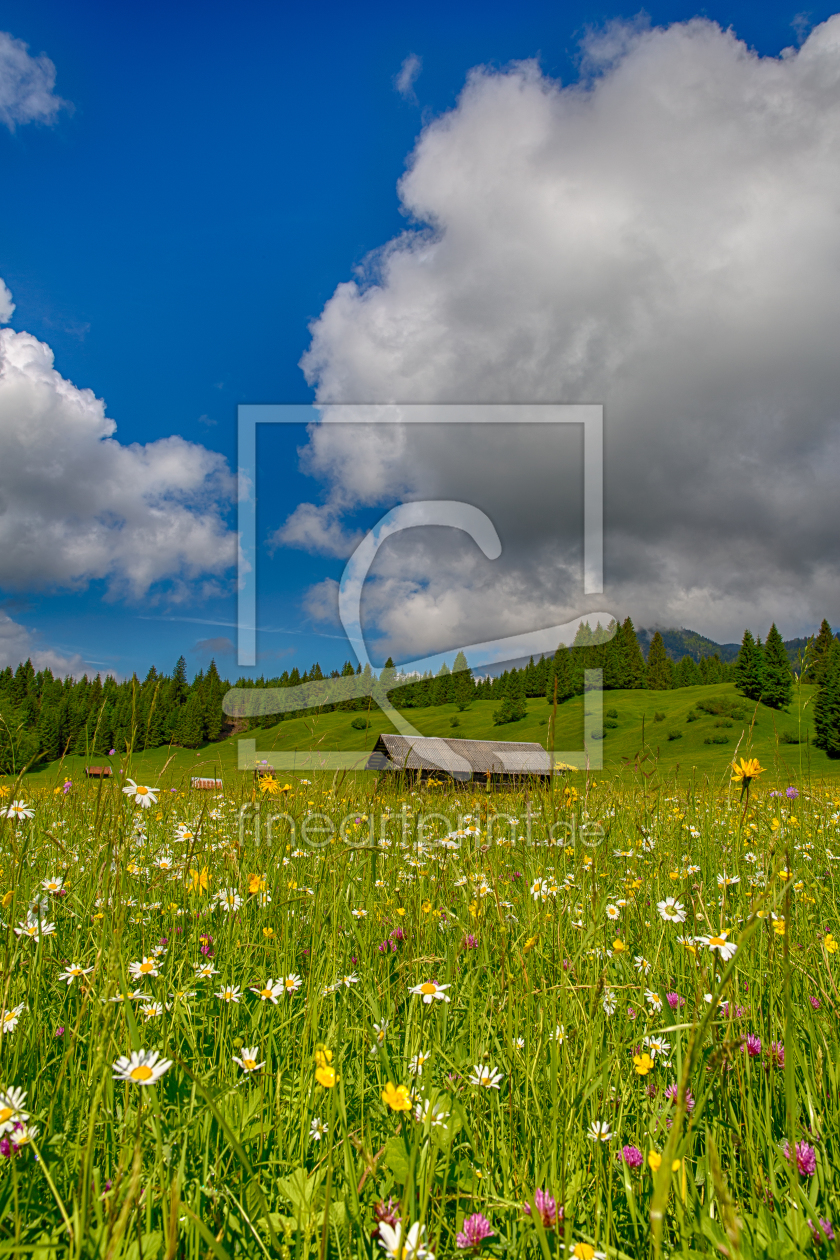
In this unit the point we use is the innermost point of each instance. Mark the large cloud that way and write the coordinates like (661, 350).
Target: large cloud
(76, 505)
(662, 237)
(26, 85)
(17, 643)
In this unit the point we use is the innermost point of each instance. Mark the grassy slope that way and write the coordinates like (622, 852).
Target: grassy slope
(689, 753)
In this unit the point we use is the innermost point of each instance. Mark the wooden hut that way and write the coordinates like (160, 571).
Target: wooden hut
(493, 761)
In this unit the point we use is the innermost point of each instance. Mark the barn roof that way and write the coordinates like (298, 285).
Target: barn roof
(459, 757)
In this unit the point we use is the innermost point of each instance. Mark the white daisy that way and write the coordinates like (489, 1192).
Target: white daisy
(431, 991)
(142, 795)
(11, 1108)
(18, 809)
(269, 992)
(229, 994)
(487, 1077)
(418, 1062)
(141, 1067)
(317, 1129)
(74, 972)
(671, 910)
(247, 1060)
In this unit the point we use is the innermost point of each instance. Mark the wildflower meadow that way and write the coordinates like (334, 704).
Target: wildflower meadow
(358, 1017)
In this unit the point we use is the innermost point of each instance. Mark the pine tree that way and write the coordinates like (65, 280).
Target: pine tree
(818, 650)
(48, 734)
(748, 668)
(561, 672)
(463, 686)
(687, 673)
(776, 678)
(659, 675)
(443, 686)
(634, 661)
(513, 706)
(827, 704)
(189, 731)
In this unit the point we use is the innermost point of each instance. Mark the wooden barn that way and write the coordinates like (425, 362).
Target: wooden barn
(493, 761)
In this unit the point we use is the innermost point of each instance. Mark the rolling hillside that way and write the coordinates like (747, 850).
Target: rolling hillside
(676, 729)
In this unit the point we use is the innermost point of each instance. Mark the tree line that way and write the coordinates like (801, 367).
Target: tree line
(43, 717)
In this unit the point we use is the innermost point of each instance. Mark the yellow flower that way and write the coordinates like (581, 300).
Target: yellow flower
(618, 946)
(7, 898)
(654, 1160)
(400, 910)
(582, 1251)
(396, 1097)
(829, 943)
(784, 874)
(270, 785)
(199, 880)
(268, 931)
(747, 770)
(529, 944)
(779, 927)
(426, 907)
(325, 1076)
(643, 1063)
(323, 1056)
(677, 1164)
(256, 883)
(775, 824)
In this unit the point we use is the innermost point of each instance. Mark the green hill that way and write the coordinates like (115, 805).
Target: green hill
(694, 730)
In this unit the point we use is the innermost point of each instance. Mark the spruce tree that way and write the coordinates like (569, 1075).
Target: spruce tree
(561, 673)
(776, 678)
(817, 657)
(827, 704)
(687, 673)
(659, 675)
(443, 686)
(463, 687)
(748, 668)
(634, 661)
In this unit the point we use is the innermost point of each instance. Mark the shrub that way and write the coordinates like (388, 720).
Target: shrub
(610, 724)
(788, 737)
(694, 717)
(724, 706)
(598, 735)
(359, 723)
(455, 720)
(716, 739)
(613, 713)
(675, 734)
(659, 717)
(723, 722)
(510, 710)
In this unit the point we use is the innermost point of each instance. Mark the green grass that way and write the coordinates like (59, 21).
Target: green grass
(636, 732)
(533, 927)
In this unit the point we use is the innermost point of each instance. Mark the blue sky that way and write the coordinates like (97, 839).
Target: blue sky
(172, 233)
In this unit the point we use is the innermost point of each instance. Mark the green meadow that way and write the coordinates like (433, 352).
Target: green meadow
(666, 731)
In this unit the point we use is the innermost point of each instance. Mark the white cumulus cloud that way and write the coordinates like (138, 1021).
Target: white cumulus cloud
(77, 505)
(27, 85)
(661, 237)
(18, 643)
(7, 306)
(407, 76)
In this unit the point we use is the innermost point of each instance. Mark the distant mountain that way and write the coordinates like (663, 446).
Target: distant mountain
(679, 643)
